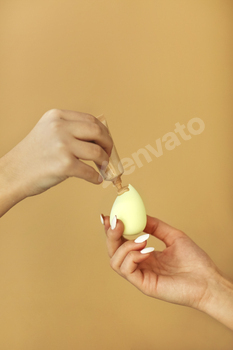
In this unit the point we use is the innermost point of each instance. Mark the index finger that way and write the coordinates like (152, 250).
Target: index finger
(162, 231)
(87, 127)
(76, 116)
(114, 236)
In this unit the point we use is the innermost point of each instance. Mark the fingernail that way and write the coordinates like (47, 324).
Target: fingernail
(142, 238)
(102, 219)
(100, 179)
(147, 250)
(114, 222)
(104, 165)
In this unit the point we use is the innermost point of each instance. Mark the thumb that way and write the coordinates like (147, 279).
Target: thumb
(114, 234)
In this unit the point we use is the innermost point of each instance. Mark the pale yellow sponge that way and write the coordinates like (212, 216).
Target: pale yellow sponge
(130, 209)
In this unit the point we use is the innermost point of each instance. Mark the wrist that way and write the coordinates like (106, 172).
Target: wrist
(218, 299)
(10, 190)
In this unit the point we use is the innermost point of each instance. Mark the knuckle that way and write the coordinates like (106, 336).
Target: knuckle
(90, 118)
(67, 163)
(61, 147)
(97, 151)
(56, 126)
(65, 160)
(123, 270)
(54, 113)
(179, 233)
(96, 129)
(67, 167)
(54, 123)
(131, 255)
(113, 264)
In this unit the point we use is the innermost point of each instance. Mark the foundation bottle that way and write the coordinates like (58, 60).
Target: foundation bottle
(114, 169)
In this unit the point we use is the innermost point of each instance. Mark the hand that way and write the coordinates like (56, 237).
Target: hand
(179, 274)
(182, 273)
(53, 149)
(52, 152)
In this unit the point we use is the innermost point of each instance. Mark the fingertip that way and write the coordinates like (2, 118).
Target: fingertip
(151, 224)
(100, 179)
(86, 172)
(116, 228)
(114, 223)
(102, 219)
(102, 167)
(107, 222)
(147, 250)
(142, 238)
(120, 226)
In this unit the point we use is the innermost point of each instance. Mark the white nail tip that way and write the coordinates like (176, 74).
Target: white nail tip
(101, 219)
(113, 223)
(147, 250)
(142, 238)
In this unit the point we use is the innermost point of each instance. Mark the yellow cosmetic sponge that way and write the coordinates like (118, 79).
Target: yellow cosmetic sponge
(130, 209)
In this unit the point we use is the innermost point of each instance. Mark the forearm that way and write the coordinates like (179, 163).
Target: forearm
(10, 191)
(219, 300)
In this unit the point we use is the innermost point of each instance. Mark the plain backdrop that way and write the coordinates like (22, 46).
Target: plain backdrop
(145, 65)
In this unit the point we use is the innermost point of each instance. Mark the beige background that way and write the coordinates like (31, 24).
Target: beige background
(146, 65)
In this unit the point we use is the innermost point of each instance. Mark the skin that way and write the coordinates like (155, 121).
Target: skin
(52, 152)
(182, 273)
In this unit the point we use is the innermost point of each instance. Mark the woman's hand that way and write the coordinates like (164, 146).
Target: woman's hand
(182, 273)
(52, 152)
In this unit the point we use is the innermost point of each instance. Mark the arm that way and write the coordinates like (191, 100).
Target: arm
(182, 273)
(52, 152)
(10, 193)
(218, 301)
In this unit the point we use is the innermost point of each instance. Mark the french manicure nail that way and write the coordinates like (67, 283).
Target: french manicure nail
(102, 219)
(142, 238)
(114, 222)
(147, 250)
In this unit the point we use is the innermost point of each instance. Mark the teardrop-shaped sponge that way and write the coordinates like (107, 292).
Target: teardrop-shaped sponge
(130, 209)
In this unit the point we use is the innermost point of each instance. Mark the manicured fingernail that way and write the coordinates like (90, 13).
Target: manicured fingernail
(102, 219)
(147, 250)
(142, 238)
(114, 222)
